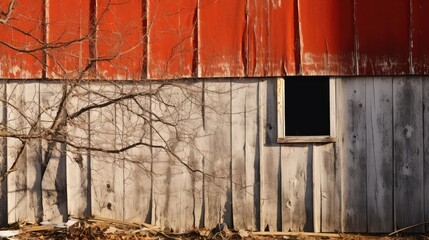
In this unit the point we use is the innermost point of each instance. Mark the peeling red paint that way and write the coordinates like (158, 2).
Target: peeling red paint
(221, 27)
(26, 16)
(120, 39)
(171, 35)
(383, 36)
(420, 37)
(68, 22)
(327, 36)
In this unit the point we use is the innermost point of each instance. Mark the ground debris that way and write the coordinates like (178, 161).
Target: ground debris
(98, 227)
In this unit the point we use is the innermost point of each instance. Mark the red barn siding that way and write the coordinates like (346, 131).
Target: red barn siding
(23, 31)
(222, 38)
(383, 36)
(171, 37)
(68, 22)
(327, 37)
(219, 38)
(120, 39)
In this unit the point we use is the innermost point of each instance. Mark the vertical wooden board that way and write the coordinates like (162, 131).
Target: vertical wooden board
(25, 18)
(171, 26)
(54, 182)
(408, 152)
(173, 183)
(33, 154)
(106, 168)
(68, 33)
(379, 118)
(352, 144)
(269, 158)
(297, 188)
(324, 157)
(425, 82)
(327, 49)
(77, 154)
(16, 153)
(382, 29)
(222, 23)
(3, 157)
(133, 116)
(244, 154)
(120, 39)
(420, 36)
(217, 153)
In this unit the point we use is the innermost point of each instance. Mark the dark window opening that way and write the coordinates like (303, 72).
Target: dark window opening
(307, 106)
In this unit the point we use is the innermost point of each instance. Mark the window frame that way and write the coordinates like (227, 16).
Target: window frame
(281, 124)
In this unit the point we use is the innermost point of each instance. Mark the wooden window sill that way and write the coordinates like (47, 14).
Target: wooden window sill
(307, 139)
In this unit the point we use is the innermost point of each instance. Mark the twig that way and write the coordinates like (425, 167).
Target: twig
(406, 228)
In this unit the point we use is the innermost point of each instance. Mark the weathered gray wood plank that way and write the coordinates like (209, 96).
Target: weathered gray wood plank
(379, 119)
(269, 158)
(106, 168)
(173, 194)
(3, 156)
(425, 82)
(54, 180)
(78, 172)
(33, 153)
(408, 152)
(352, 143)
(330, 187)
(297, 188)
(217, 154)
(244, 153)
(134, 117)
(16, 152)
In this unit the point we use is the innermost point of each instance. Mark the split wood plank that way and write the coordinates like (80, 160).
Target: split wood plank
(3, 156)
(33, 153)
(106, 168)
(297, 188)
(408, 152)
(379, 119)
(325, 160)
(269, 158)
(16, 152)
(244, 127)
(134, 117)
(54, 180)
(217, 153)
(425, 82)
(78, 158)
(352, 135)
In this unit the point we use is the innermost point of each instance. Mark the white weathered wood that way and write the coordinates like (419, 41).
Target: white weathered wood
(425, 83)
(352, 144)
(379, 118)
(408, 152)
(106, 168)
(3, 157)
(317, 159)
(134, 117)
(281, 108)
(269, 158)
(244, 142)
(54, 182)
(78, 173)
(297, 188)
(16, 151)
(33, 153)
(333, 107)
(217, 153)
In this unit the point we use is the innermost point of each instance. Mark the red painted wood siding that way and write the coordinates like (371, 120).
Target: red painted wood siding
(165, 39)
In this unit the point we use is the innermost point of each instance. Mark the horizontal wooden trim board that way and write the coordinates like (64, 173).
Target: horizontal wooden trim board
(307, 139)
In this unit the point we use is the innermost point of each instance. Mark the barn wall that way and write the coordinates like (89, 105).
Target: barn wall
(373, 179)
